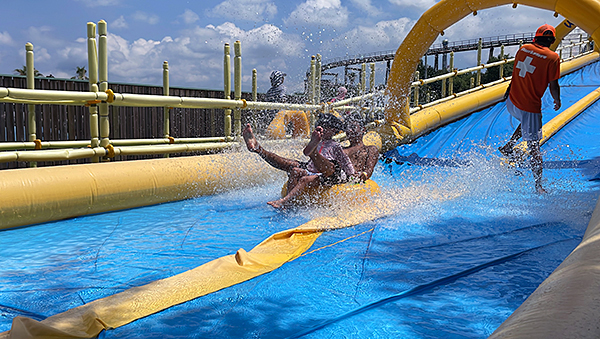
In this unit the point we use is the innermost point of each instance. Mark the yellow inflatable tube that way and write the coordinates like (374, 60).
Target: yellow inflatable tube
(298, 119)
(348, 193)
(35, 195)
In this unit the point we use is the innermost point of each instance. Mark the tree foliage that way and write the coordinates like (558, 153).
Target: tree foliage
(81, 74)
(23, 71)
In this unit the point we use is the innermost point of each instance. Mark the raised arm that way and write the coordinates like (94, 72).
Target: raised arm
(373, 156)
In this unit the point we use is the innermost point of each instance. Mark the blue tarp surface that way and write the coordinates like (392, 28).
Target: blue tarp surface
(469, 242)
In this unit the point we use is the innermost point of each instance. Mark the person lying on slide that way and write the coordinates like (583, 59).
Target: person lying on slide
(328, 164)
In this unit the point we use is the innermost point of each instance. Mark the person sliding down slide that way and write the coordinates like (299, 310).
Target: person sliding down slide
(363, 157)
(328, 164)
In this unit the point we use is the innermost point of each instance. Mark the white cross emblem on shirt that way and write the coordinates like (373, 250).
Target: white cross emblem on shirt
(525, 66)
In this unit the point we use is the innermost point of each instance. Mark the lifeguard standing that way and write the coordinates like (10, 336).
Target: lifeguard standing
(536, 68)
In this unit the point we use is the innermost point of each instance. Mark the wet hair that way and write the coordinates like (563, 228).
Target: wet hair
(356, 117)
(327, 120)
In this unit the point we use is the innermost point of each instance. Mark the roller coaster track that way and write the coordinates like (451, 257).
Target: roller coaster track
(435, 49)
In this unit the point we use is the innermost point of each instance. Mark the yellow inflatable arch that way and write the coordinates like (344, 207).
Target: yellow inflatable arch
(583, 13)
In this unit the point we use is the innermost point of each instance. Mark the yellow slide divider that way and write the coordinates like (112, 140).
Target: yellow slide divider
(35, 195)
(561, 120)
(89, 320)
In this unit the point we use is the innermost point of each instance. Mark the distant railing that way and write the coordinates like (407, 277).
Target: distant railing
(47, 121)
(60, 121)
(374, 100)
(438, 48)
(584, 47)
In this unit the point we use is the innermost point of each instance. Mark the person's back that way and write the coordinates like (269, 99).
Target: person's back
(277, 92)
(535, 67)
(363, 157)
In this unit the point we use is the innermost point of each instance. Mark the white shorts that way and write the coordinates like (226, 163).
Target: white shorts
(531, 123)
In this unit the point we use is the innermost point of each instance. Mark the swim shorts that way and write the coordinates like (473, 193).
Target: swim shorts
(531, 123)
(338, 176)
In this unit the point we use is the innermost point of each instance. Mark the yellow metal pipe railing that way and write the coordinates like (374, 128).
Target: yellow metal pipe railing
(30, 72)
(38, 144)
(237, 93)
(227, 87)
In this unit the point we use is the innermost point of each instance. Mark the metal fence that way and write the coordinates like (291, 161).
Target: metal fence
(67, 122)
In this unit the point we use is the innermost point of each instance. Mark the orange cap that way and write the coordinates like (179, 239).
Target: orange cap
(544, 29)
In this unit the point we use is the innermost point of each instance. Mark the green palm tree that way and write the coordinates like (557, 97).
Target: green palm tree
(23, 71)
(80, 74)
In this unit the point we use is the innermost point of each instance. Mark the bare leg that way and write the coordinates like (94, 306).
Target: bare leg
(294, 177)
(250, 140)
(304, 182)
(537, 164)
(507, 150)
(271, 158)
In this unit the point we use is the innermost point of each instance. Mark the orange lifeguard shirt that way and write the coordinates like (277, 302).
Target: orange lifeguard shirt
(535, 66)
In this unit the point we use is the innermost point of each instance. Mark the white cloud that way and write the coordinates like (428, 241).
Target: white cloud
(383, 36)
(119, 23)
(45, 36)
(151, 19)
(189, 17)
(5, 38)
(195, 56)
(500, 21)
(366, 6)
(42, 55)
(245, 9)
(75, 53)
(421, 4)
(320, 13)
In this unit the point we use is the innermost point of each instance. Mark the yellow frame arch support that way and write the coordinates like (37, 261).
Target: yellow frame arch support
(583, 13)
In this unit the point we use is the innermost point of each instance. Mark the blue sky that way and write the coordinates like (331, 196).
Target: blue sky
(190, 35)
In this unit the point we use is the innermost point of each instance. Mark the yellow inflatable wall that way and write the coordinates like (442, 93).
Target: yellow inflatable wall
(35, 195)
(565, 305)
